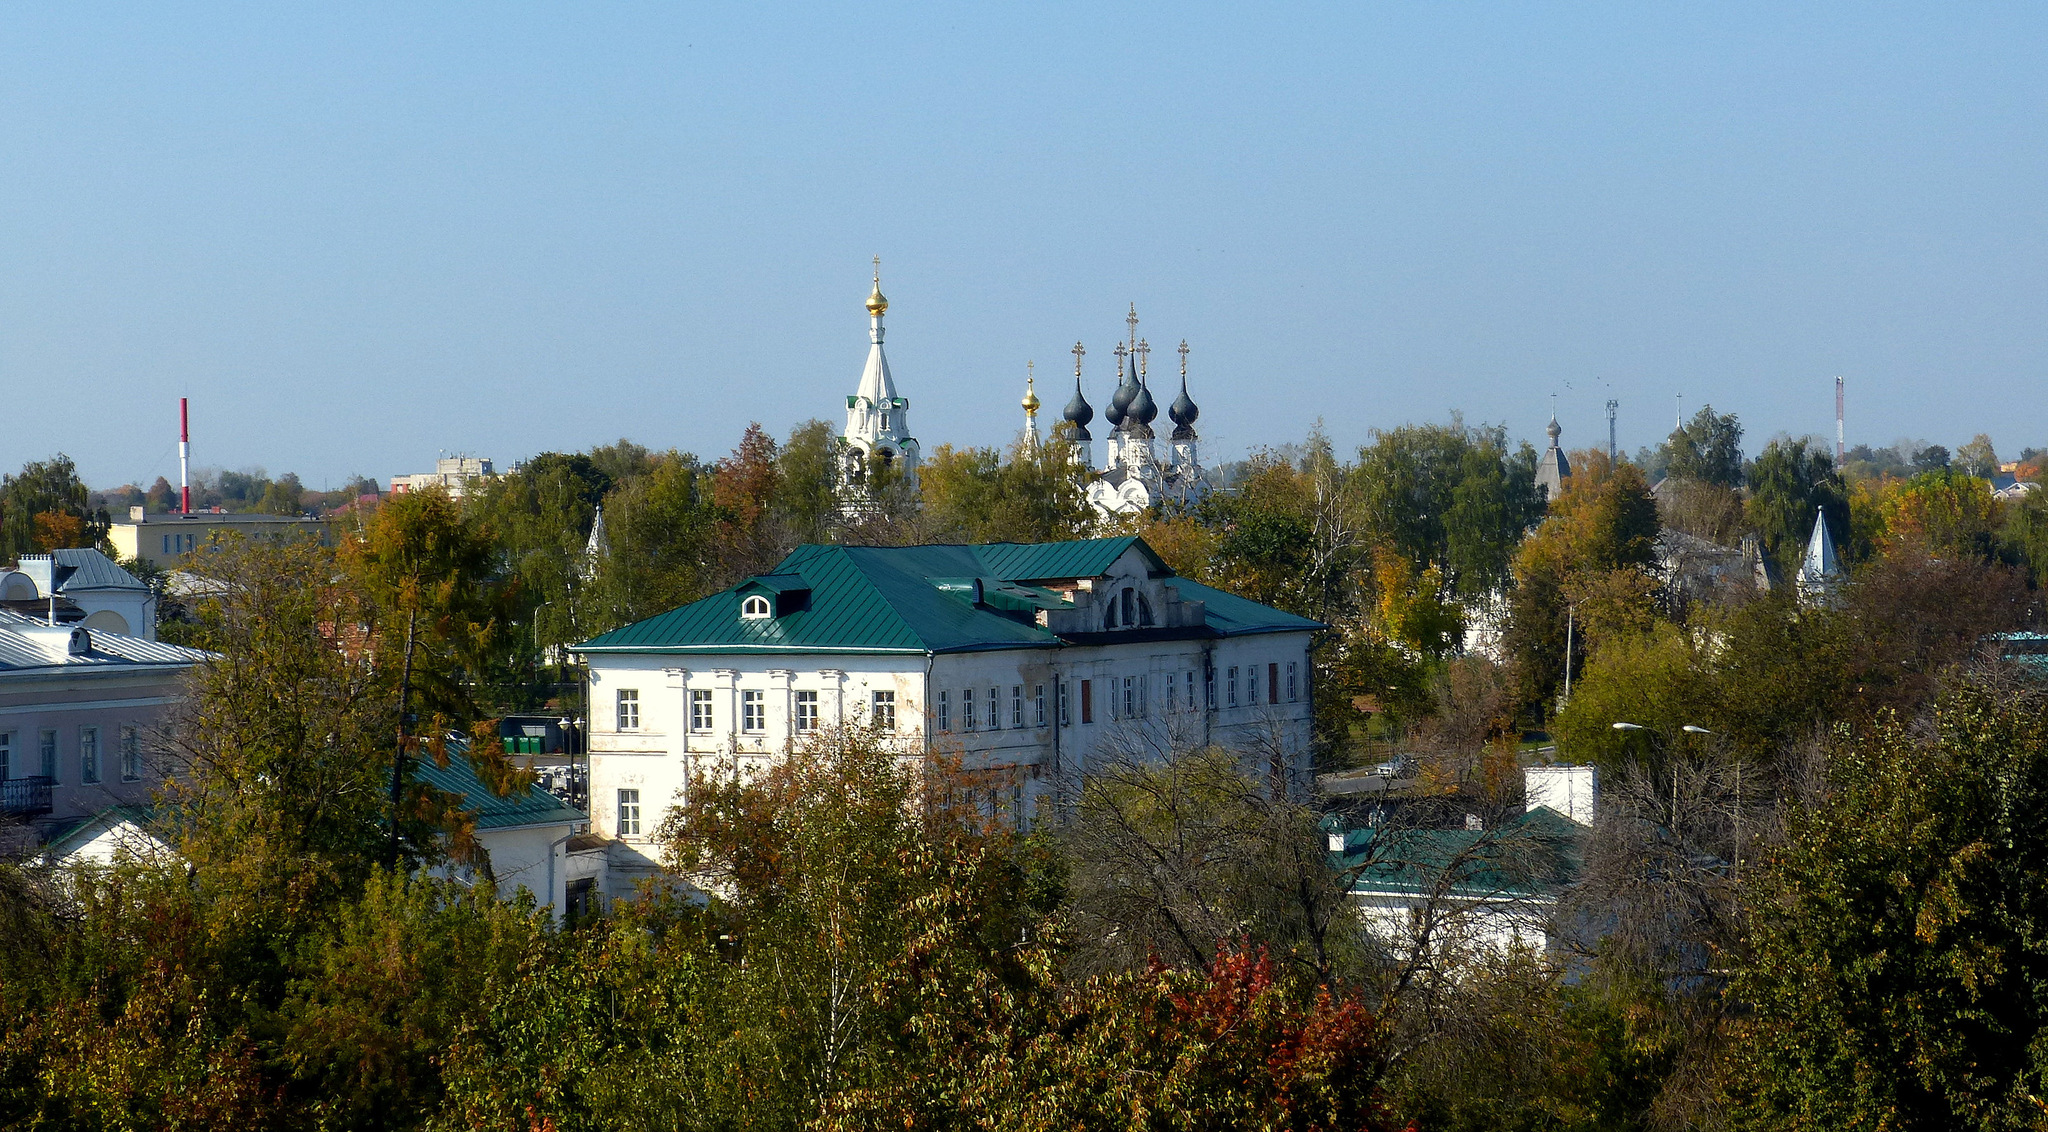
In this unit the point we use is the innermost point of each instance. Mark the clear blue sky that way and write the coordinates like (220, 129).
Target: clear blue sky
(357, 238)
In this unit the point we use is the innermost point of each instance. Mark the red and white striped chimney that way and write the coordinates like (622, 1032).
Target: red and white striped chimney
(184, 460)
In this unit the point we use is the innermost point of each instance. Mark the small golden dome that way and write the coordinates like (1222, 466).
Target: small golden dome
(876, 303)
(1030, 397)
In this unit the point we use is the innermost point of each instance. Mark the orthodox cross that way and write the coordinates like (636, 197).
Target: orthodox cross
(1077, 351)
(1132, 319)
(1183, 361)
(878, 272)
(1144, 357)
(1120, 352)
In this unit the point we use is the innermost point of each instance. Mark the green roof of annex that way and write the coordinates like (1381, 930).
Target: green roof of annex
(919, 600)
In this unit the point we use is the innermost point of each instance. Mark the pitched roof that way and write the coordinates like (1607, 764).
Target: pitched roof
(532, 806)
(921, 599)
(1532, 855)
(28, 644)
(65, 571)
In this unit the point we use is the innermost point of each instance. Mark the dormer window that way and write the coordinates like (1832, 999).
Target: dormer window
(755, 608)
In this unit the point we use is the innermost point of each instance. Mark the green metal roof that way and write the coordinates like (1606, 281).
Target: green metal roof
(532, 806)
(919, 599)
(1533, 855)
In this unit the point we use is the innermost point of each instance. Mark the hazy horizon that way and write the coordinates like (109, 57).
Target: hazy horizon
(357, 239)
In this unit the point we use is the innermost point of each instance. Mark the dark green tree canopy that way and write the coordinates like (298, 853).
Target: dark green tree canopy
(1707, 448)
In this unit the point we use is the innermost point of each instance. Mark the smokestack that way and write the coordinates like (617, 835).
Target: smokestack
(1838, 422)
(184, 460)
(1612, 405)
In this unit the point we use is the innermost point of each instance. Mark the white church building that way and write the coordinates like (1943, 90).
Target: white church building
(1036, 661)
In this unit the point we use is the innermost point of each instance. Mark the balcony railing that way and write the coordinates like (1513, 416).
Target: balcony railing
(25, 797)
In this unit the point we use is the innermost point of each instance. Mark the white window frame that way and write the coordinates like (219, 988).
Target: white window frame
(1038, 696)
(629, 812)
(1130, 692)
(966, 709)
(1232, 701)
(1293, 688)
(754, 607)
(806, 710)
(7, 755)
(626, 710)
(995, 709)
(945, 710)
(882, 702)
(701, 717)
(753, 711)
(1017, 707)
(1192, 705)
(46, 751)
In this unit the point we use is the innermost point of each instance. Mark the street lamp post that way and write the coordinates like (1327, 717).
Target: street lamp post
(1693, 729)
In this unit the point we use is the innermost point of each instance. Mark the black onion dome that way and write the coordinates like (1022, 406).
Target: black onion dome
(1120, 401)
(1143, 408)
(1183, 413)
(1079, 412)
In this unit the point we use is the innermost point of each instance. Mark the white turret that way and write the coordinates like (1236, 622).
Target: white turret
(1820, 573)
(877, 419)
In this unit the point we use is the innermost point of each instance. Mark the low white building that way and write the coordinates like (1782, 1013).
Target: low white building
(111, 599)
(1473, 890)
(1033, 660)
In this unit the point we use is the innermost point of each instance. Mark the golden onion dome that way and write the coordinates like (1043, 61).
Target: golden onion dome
(1030, 397)
(876, 303)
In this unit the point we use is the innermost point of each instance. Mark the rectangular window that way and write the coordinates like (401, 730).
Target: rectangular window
(1251, 684)
(966, 709)
(88, 754)
(46, 744)
(6, 755)
(700, 709)
(807, 711)
(1273, 683)
(167, 544)
(1209, 688)
(1017, 705)
(1038, 697)
(629, 813)
(885, 711)
(1130, 690)
(1169, 692)
(1232, 701)
(131, 754)
(1293, 689)
(753, 710)
(1191, 689)
(629, 710)
(945, 711)
(1087, 702)
(995, 710)
(1144, 699)
(1066, 716)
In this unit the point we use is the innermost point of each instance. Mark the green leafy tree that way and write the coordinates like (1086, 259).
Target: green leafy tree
(806, 495)
(1452, 498)
(1790, 482)
(1893, 979)
(1581, 574)
(1707, 448)
(659, 540)
(45, 506)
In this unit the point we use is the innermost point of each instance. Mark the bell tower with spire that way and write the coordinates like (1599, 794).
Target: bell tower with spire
(877, 418)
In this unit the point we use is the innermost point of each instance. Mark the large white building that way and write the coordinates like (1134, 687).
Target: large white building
(1034, 660)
